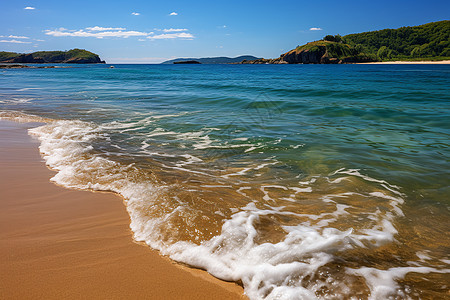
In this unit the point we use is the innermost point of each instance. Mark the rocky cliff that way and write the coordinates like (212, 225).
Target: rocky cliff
(318, 52)
(74, 56)
(306, 56)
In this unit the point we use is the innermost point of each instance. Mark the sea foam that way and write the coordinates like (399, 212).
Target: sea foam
(294, 267)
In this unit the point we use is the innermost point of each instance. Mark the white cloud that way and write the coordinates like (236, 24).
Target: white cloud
(165, 36)
(138, 60)
(174, 30)
(135, 13)
(173, 14)
(101, 34)
(18, 37)
(15, 37)
(99, 28)
(14, 41)
(315, 28)
(29, 7)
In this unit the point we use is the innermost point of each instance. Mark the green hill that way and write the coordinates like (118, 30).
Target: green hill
(330, 51)
(425, 42)
(75, 56)
(428, 41)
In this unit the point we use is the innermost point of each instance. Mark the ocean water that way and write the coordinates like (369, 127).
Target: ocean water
(295, 181)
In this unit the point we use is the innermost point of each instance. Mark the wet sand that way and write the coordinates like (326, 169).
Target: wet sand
(57, 243)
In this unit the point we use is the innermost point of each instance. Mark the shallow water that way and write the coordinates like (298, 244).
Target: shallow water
(298, 181)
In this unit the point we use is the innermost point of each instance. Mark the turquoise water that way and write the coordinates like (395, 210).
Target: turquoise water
(297, 181)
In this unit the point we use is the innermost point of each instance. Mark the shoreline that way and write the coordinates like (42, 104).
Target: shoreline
(62, 243)
(402, 62)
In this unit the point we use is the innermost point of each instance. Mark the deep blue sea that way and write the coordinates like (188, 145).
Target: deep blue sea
(296, 181)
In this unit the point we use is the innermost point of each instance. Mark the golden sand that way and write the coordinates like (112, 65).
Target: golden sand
(57, 243)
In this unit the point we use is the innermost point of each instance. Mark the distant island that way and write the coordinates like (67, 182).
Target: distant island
(187, 62)
(74, 56)
(213, 60)
(425, 42)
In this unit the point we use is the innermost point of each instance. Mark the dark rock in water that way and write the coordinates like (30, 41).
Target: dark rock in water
(188, 62)
(13, 66)
(215, 60)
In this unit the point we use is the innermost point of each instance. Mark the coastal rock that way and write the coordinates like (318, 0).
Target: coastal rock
(81, 60)
(14, 66)
(318, 52)
(308, 56)
(259, 61)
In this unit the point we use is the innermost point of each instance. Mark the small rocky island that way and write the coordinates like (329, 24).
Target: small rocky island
(213, 60)
(187, 62)
(18, 66)
(74, 56)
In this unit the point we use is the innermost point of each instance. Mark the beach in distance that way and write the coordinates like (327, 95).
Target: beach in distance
(305, 181)
(420, 62)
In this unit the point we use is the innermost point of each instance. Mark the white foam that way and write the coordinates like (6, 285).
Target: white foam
(22, 117)
(297, 146)
(239, 173)
(301, 190)
(28, 89)
(246, 170)
(423, 256)
(265, 165)
(17, 100)
(263, 268)
(355, 172)
(190, 159)
(382, 283)
(275, 270)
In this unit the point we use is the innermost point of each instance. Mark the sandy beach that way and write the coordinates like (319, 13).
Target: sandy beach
(65, 244)
(440, 62)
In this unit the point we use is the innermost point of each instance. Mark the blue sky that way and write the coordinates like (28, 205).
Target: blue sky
(154, 31)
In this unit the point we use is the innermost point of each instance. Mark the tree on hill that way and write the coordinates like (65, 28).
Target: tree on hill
(333, 38)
